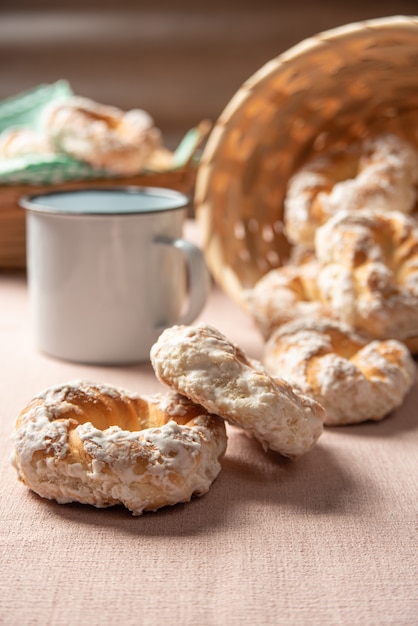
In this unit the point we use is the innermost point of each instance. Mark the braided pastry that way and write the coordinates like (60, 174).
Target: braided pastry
(378, 173)
(202, 364)
(20, 141)
(354, 379)
(369, 274)
(104, 136)
(286, 293)
(100, 445)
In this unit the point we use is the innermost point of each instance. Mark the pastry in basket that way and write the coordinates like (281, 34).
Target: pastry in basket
(355, 379)
(364, 272)
(284, 294)
(377, 173)
(104, 136)
(202, 364)
(369, 273)
(21, 141)
(100, 445)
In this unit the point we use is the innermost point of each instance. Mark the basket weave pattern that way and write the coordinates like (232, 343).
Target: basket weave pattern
(329, 90)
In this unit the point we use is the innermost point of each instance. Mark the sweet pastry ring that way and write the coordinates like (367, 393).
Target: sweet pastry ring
(95, 444)
(20, 141)
(103, 136)
(354, 378)
(369, 274)
(284, 294)
(378, 173)
(202, 364)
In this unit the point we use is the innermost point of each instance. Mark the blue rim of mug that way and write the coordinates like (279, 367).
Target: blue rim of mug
(179, 200)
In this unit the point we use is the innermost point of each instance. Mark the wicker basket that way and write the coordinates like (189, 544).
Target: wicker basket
(328, 90)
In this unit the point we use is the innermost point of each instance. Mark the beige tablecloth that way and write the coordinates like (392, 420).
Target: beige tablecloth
(328, 539)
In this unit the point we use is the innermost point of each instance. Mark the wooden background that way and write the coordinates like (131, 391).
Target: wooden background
(180, 60)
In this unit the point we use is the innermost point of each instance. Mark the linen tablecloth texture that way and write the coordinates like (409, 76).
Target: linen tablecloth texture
(328, 539)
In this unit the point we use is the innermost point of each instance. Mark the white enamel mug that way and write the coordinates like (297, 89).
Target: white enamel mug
(108, 270)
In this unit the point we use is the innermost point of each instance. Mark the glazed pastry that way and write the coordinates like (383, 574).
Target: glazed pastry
(369, 274)
(100, 445)
(354, 378)
(103, 136)
(284, 294)
(19, 142)
(379, 173)
(202, 364)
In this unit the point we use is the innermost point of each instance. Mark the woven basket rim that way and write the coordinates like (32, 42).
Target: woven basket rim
(298, 50)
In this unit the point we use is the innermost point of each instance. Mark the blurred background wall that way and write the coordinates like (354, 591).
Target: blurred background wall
(182, 60)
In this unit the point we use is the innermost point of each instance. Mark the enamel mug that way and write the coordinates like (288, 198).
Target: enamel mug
(108, 270)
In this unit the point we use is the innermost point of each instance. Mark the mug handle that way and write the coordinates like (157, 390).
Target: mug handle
(198, 276)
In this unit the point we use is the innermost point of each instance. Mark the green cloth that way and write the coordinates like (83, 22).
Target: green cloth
(45, 169)
(25, 109)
